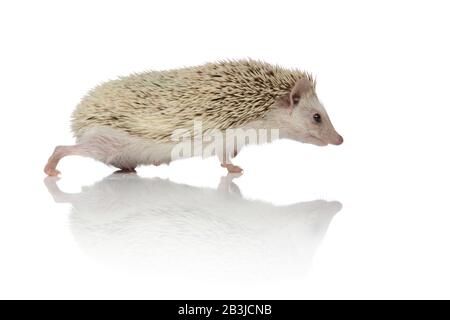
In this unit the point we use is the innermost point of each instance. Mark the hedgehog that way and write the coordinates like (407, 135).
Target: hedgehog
(139, 119)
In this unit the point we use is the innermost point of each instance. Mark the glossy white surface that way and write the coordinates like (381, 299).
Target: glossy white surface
(368, 219)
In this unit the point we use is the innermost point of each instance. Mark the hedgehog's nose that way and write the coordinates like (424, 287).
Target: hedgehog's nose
(339, 140)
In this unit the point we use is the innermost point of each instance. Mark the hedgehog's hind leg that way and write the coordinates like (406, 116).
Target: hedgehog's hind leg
(59, 153)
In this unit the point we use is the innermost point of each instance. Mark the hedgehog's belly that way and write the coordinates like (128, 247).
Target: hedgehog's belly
(119, 149)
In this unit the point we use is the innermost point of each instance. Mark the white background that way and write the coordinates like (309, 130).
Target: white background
(383, 74)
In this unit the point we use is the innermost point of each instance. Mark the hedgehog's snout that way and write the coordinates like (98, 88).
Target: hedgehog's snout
(338, 140)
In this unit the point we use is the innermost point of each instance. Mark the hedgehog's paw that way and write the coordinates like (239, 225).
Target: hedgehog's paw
(232, 168)
(125, 171)
(51, 171)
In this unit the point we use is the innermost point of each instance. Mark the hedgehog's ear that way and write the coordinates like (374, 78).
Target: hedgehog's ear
(300, 89)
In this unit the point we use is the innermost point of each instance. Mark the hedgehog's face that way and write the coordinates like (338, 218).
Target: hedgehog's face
(318, 129)
(308, 117)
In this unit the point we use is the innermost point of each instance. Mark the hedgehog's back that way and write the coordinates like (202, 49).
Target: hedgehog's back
(153, 104)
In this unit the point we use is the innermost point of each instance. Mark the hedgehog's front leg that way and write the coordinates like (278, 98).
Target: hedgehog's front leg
(226, 163)
(232, 168)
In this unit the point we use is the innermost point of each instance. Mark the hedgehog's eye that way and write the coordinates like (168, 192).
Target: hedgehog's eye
(317, 118)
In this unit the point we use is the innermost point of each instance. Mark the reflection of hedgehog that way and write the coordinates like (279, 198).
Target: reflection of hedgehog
(129, 121)
(165, 227)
